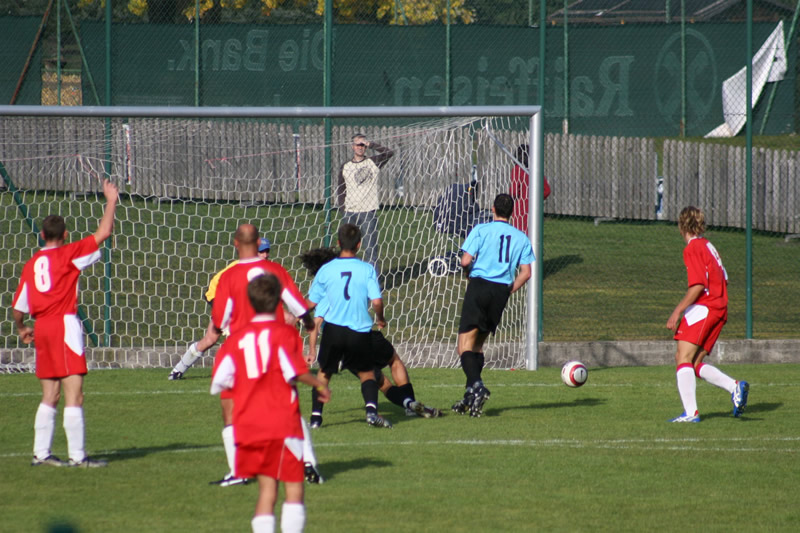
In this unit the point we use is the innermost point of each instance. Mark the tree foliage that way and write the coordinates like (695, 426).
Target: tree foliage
(400, 12)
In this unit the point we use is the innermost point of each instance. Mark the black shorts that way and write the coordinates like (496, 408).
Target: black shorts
(483, 305)
(382, 349)
(342, 347)
(382, 352)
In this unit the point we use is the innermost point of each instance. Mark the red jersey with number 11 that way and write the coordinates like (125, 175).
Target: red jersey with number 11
(259, 363)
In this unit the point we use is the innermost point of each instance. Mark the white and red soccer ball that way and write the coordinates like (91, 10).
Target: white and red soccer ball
(574, 374)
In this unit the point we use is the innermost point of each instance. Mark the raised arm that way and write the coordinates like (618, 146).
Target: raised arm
(341, 190)
(106, 226)
(383, 156)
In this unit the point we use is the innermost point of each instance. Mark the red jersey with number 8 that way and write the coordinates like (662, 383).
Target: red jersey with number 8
(49, 283)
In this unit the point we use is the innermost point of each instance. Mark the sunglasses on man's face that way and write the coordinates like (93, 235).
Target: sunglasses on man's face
(360, 144)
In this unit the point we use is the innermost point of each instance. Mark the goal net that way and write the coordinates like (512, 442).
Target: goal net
(187, 183)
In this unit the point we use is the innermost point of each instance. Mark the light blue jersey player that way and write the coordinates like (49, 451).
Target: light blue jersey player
(499, 258)
(498, 249)
(347, 287)
(349, 284)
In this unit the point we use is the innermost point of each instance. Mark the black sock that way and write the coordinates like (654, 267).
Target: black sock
(408, 392)
(316, 405)
(369, 391)
(471, 364)
(402, 395)
(481, 359)
(395, 395)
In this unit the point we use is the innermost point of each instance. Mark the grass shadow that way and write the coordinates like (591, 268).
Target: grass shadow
(136, 452)
(556, 264)
(581, 402)
(330, 469)
(755, 408)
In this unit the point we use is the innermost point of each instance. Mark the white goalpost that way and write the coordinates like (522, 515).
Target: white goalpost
(189, 176)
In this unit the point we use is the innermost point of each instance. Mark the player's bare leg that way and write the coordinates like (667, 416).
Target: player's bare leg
(51, 391)
(399, 371)
(264, 516)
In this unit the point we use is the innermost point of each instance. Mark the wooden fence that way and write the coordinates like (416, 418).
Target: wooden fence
(611, 177)
(713, 177)
(257, 161)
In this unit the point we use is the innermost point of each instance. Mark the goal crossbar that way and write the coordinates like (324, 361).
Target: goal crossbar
(267, 112)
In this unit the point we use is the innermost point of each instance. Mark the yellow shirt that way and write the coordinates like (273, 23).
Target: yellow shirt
(212, 285)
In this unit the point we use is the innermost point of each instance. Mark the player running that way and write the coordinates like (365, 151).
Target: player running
(259, 365)
(498, 258)
(48, 292)
(704, 308)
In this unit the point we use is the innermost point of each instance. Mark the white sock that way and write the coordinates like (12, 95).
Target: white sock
(44, 425)
(308, 446)
(263, 523)
(293, 517)
(716, 377)
(74, 428)
(687, 388)
(188, 358)
(230, 447)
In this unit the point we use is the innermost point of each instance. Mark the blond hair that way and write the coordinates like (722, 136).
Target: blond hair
(692, 221)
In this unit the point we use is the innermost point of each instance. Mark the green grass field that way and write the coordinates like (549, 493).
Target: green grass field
(543, 458)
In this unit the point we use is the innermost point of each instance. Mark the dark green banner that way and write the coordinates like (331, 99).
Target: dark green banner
(18, 37)
(621, 80)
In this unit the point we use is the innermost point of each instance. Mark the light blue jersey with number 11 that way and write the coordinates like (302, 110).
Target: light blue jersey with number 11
(348, 285)
(498, 249)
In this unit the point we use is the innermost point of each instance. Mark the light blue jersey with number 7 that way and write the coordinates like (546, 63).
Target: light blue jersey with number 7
(348, 285)
(498, 249)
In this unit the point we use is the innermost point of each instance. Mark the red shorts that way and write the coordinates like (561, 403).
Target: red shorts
(59, 347)
(701, 326)
(272, 459)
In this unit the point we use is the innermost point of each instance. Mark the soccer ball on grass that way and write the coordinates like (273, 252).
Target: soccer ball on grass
(574, 374)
